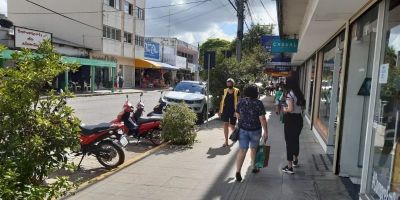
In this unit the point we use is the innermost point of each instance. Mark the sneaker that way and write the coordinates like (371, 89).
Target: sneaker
(238, 177)
(288, 170)
(295, 163)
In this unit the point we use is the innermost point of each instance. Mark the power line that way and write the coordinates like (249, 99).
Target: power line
(62, 15)
(175, 13)
(266, 10)
(249, 11)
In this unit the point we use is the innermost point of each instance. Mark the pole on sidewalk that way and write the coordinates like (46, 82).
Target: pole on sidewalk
(240, 15)
(208, 87)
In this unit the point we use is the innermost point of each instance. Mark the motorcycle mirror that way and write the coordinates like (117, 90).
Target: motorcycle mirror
(141, 94)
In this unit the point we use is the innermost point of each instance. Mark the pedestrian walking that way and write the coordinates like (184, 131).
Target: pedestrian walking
(252, 121)
(120, 83)
(278, 98)
(293, 123)
(228, 106)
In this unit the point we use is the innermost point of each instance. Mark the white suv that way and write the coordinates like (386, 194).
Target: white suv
(194, 94)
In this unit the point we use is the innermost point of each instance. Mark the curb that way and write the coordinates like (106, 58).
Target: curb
(127, 163)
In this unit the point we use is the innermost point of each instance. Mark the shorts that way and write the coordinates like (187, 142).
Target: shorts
(249, 138)
(229, 117)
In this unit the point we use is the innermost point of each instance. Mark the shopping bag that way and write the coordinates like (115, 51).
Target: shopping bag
(262, 156)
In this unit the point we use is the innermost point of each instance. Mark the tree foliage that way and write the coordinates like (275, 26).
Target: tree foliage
(35, 134)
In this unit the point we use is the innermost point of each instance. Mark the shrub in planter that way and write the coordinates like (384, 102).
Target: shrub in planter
(178, 125)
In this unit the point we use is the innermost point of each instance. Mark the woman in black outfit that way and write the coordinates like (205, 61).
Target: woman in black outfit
(293, 123)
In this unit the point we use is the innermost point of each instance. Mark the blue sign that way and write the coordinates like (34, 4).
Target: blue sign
(152, 50)
(277, 59)
(284, 45)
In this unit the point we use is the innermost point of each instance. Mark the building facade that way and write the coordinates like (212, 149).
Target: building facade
(112, 29)
(349, 69)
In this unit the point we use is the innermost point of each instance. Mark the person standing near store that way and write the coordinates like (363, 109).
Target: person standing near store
(252, 121)
(278, 98)
(228, 106)
(120, 82)
(293, 123)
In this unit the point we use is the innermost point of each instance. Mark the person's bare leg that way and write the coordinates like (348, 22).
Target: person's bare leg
(226, 132)
(253, 153)
(240, 159)
(290, 164)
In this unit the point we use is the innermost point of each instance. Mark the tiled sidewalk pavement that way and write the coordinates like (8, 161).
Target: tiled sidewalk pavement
(207, 170)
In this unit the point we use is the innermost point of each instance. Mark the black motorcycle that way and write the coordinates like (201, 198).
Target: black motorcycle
(159, 109)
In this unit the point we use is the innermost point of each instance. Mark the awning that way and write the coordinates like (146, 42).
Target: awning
(147, 64)
(90, 62)
(168, 66)
(70, 60)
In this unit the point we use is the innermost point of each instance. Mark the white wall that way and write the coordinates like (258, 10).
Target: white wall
(128, 50)
(112, 17)
(112, 47)
(139, 52)
(71, 51)
(62, 27)
(3, 7)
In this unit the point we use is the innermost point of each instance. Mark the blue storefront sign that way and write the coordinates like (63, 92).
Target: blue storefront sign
(152, 51)
(284, 45)
(277, 59)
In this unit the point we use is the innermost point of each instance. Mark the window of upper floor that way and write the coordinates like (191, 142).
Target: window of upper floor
(112, 3)
(139, 40)
(140, 13)
(111, 33)
(128, 37)
(128, 8)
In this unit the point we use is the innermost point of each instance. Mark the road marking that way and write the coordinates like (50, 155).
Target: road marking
(127, 163)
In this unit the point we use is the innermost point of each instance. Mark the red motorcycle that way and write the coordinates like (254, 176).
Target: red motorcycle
(147, 127)
(105, 142)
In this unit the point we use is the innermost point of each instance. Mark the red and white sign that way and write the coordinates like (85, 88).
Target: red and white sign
(28, 38)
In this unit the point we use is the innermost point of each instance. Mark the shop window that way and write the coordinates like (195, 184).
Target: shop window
(384, 178)
(311, 88)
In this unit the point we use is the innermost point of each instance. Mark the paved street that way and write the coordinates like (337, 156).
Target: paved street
(207, 170)
(99, 109)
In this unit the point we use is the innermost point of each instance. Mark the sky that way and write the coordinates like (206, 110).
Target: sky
(196, 22)
(3, 7)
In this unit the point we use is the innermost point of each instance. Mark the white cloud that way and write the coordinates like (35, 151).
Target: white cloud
(214, 31)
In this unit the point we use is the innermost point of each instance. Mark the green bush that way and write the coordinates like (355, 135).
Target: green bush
(35, 134)
(178, 125)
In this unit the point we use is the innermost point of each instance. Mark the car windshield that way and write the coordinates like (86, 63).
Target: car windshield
(189, 87)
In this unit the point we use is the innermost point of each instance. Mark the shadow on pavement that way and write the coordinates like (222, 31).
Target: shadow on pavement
(220, 151)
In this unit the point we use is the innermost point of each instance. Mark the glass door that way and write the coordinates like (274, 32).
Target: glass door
(385, 182)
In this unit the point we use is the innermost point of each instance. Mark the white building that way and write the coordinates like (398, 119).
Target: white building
(112, 29)
(180, 54)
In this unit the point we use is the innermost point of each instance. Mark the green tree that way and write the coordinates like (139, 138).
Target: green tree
(217, 45)
(253, 36)
(35, 134)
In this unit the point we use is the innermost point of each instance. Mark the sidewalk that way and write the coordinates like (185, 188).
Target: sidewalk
(207, 171)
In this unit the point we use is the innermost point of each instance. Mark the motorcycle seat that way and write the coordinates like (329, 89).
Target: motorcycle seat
(91, 129)
(143, 120)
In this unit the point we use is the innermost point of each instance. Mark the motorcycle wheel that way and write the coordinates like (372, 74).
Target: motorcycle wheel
(110, 154)
(155, 137)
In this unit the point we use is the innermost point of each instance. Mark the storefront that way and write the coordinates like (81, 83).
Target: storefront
(351, 82)
(82, 80)
(152, 74)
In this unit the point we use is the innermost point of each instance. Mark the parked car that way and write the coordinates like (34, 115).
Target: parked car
(194, 94)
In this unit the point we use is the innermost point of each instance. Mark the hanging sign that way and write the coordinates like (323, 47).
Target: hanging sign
(383, 73)
(284, 45)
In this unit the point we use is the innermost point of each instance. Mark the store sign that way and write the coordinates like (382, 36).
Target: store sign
(382, 191)
(284, 45)
(169, 55)
(181, 62)
(277, 59)
(152, 51)
(31, 39)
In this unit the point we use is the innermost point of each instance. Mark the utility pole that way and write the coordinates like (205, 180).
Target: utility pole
(240, 15)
